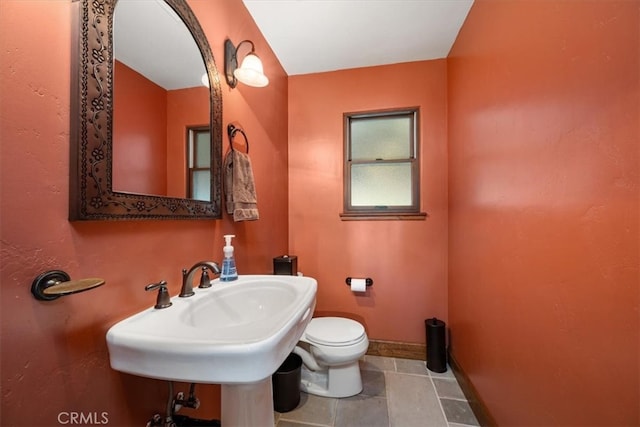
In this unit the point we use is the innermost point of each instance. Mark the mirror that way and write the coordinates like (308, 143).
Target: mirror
(101, 186)
(158, 93)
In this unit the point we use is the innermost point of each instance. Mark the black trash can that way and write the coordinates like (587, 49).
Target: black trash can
(436, 345)
(286, 384)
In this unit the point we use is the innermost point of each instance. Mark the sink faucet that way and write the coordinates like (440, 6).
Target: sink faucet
(187, 276)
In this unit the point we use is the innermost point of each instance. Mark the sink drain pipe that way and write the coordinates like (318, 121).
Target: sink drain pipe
(174, 404)
(156, 420)
(168, 421)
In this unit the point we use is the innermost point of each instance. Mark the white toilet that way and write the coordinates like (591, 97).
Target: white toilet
(330, 348)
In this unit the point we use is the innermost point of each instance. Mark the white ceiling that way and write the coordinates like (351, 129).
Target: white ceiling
(307, 36)
(310, 36)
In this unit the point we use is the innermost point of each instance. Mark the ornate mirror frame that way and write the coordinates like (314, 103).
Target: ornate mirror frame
(91, 196)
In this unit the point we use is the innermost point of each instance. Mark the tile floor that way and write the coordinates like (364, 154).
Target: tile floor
(396, 393)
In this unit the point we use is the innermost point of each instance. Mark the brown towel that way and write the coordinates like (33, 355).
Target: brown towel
(239, 188)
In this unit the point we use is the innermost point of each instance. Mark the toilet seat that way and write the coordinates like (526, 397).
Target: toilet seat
(334, 331)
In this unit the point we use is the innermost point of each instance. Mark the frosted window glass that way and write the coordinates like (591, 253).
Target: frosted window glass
(387, 138)
(203, 149)
(381, 164)
(202, 185)
(387, 184)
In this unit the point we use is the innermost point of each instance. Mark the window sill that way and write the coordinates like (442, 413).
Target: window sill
(383, 216)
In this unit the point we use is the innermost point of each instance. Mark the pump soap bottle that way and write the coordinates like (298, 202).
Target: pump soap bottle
(229, 271)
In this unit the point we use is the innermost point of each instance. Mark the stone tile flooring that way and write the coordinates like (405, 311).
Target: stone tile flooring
(396, 393)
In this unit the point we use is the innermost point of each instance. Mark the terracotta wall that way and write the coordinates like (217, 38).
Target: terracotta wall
(544, 207)
(54, 354)
(150, 133)
(139, 133)
(407, 260)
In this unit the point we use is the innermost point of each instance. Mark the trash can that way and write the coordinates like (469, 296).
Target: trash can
(286, 384)
(436, 345)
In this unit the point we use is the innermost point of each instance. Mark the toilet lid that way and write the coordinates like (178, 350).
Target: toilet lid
(336, 331)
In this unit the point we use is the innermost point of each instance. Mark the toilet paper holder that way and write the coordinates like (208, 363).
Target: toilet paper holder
(368, 281)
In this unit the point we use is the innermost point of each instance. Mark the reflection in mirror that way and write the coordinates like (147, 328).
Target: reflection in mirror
(158, 93)
(113, 135)
(199, 163)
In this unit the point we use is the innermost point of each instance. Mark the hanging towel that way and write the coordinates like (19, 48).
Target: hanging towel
(239, 188)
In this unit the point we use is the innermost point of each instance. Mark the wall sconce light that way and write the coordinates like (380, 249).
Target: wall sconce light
(205, 80)
(250, 71)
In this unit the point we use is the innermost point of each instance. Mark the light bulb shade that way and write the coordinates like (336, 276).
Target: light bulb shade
(251, 72)
(205, 80)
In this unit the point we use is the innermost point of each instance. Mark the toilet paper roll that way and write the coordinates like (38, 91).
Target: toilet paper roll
(358, 285)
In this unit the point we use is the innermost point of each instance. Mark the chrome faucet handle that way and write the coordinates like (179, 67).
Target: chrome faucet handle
(163, 300)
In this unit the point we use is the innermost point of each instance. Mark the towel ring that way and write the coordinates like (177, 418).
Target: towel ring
(231, 131)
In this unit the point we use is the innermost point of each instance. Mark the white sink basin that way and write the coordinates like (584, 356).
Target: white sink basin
(232, 333)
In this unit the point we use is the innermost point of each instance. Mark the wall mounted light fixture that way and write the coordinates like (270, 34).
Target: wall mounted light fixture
(250, 72)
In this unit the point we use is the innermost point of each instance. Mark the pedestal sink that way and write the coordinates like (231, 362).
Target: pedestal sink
(236, 334)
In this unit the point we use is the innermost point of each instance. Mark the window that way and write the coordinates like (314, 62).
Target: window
(199, 163)
(381, 165)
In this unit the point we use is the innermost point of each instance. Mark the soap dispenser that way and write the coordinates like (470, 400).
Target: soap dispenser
(229, 271)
